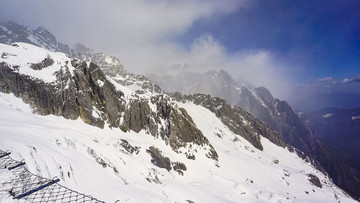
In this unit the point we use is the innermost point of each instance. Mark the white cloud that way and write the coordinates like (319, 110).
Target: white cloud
(109, 24)
(141, 33)
(325, 79)
(262, 68)
(206, 53)
(351, 80)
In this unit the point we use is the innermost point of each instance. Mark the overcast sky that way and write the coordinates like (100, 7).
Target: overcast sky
(280, 44)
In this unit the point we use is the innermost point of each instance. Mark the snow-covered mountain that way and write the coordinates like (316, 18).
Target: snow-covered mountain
(142, 145)
(278, 114)
(12, 32)
(146, 139)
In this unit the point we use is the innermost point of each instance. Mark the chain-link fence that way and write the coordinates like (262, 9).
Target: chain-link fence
(32, 188)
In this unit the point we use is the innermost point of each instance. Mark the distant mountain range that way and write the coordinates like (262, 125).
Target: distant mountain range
(160, 135)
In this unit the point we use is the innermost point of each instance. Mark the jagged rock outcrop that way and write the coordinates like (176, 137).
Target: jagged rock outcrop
(169, 122)
(161, 161)
(71, 102)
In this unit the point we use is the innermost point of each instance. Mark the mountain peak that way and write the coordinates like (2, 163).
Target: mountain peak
(11, 32)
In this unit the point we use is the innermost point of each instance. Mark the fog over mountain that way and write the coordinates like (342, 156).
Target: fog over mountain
(248, 39)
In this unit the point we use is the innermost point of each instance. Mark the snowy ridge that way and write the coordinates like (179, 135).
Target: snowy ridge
(11, 32)
(22, 56)
(124, 81)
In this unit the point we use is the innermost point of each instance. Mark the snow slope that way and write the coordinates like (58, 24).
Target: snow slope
(53, 146)
(21, 56)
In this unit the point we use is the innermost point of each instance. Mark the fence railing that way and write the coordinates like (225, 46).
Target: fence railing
(27, 186)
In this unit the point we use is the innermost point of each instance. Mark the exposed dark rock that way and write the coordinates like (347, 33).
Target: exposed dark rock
(172, 124)
(158, 159)
(190, 156)
(179, 166)
(314, 180)
(161, 161)
(98, 159)
(137, 117)
(48, 61)
(79, 99)
(129, 148)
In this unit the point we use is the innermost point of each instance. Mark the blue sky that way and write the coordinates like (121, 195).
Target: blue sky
(321, 37)
(284, 45)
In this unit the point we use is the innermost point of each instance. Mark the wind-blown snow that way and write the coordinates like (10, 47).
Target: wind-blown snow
(53, 146)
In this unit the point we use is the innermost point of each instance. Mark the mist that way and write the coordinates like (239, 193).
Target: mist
(144, 34)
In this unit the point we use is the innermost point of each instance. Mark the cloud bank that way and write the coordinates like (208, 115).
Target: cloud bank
(143, 34)
(140, 32)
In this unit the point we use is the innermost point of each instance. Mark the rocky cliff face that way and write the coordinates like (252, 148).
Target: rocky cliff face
(236, 119)
(81, 90)
(72, 95)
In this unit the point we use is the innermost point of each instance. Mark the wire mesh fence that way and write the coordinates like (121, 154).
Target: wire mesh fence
(27, 186)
